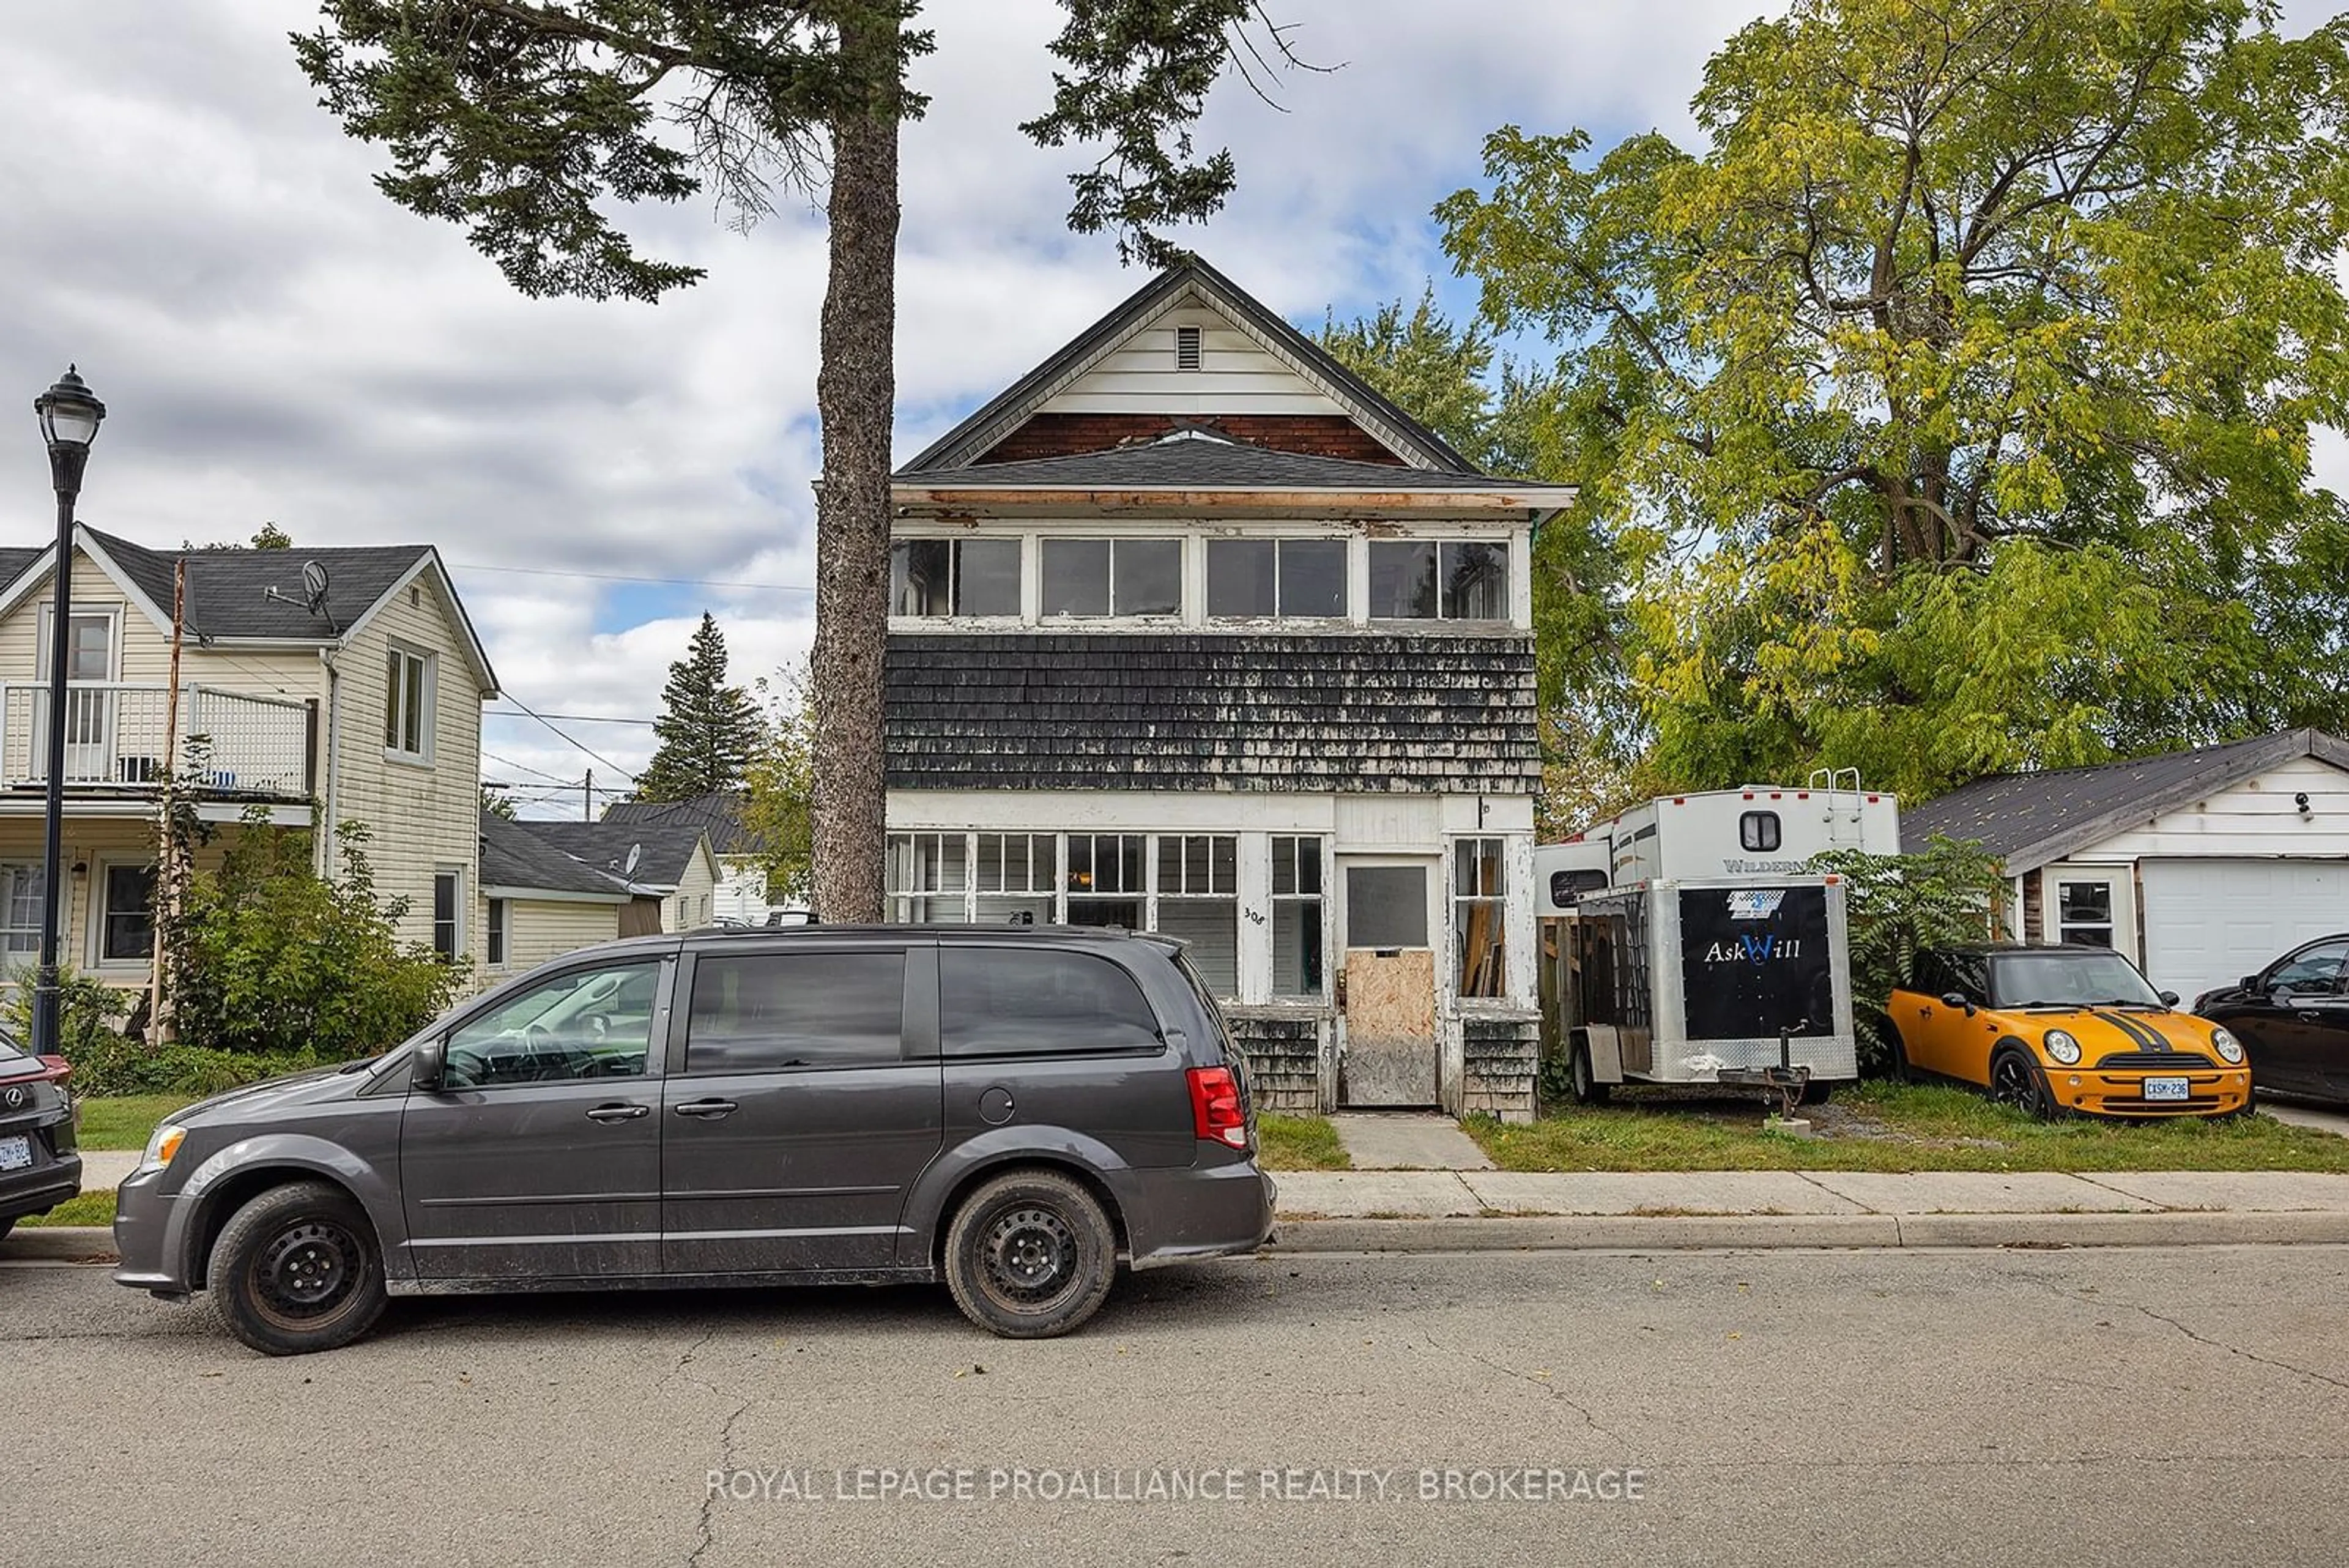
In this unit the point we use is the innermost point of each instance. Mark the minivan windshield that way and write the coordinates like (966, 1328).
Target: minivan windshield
(2068, 979)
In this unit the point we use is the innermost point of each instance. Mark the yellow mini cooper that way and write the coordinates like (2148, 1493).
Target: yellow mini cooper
(2064, 1029)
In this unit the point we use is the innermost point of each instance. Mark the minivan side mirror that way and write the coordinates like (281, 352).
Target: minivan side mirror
(427, 1064)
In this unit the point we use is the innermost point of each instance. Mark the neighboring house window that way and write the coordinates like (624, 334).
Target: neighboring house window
(2083, 914)
(1198, 900)
(446, 935)
(1426, 579)
(20, 908)
(408, 704)
(954, 576)
(499, 918)
(1292, 578)
(928, 873)
(1018, 875)
(128, 914)
(1112, 576)
(1477, 885)
(1296, 966)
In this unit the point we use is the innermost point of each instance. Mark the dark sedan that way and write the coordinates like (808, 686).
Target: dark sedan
(38, 1167)
(2292, 1018)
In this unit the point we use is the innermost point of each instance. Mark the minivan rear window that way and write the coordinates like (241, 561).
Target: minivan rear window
(764, 1013)
(1003, 1002)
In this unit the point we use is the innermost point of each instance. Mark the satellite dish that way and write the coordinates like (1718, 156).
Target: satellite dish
(314, 585)
(636, 854)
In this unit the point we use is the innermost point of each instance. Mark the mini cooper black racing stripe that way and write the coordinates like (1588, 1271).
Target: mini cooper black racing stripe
(2144, 1038)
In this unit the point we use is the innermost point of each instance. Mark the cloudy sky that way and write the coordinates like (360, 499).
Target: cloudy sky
(275, 342)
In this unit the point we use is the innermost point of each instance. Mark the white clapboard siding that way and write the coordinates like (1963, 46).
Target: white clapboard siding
(1236, 376)
(2256, 818)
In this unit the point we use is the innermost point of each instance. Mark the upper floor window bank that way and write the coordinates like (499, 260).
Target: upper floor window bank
(1205, 580)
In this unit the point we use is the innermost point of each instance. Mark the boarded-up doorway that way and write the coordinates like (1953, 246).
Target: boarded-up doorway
(1388, 984)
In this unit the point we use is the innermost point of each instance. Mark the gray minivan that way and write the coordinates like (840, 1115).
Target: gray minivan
(1011, 1109)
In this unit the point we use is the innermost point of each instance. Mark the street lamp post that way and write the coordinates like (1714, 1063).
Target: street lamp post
(69, 420)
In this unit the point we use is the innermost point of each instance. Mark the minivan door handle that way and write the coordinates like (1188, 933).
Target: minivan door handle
(707, 1110)
(618, 1113)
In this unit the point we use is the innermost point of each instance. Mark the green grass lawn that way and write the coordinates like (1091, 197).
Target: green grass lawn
(126, 1121)
(1891, 1127)
(1298, 1143)
(90, 1209)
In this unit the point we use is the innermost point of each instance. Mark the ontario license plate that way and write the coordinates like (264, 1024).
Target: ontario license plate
(2165, 1088)
(15, 1153)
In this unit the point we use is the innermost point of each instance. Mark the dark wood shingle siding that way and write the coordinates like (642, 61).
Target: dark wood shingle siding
(1364, 712)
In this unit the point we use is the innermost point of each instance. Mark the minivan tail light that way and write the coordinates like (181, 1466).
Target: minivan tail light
(1215, 1112)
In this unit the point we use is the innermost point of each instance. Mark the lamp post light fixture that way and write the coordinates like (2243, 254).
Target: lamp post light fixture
(69, 422)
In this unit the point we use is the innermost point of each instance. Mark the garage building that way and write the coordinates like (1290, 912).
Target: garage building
(2203, 866)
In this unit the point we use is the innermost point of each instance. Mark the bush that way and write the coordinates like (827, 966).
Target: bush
(1946, 894)
(270, 961)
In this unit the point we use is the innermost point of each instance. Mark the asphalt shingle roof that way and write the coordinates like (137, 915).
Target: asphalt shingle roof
(718, 814)
(2030, 819)
(515, 856)
(228, 589)
(604, 845)
(1186, 462)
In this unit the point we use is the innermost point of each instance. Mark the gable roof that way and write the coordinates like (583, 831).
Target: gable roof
(1192, 460)
(1190, 278)
(718, 814)
(239, 594)
(668, 848)
(514, 858)
(2030, 819)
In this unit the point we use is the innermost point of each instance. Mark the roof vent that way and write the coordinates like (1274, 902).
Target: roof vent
(1186, 348)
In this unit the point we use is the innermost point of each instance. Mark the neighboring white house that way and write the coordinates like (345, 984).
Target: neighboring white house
(740, 893)
(2203, 866)
(539, 903)
(667, 865)
(340, 684)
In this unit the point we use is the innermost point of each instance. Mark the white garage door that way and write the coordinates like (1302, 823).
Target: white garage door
(2209, 923)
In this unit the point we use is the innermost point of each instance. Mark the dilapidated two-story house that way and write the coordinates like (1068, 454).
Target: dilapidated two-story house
(1193, 631)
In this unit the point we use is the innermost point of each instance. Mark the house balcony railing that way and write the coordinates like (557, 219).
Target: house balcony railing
(231, 743)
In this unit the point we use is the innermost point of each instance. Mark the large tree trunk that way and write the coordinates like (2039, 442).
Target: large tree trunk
(855, 394)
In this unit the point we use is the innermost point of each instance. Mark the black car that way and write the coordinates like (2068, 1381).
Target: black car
(38, 1166)
(2292, 1017)
(1014, 1111)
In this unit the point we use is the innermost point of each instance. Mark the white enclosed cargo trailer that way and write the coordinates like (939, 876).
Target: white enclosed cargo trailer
(1734, 980)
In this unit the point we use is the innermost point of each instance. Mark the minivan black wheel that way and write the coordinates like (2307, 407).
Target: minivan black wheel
(1030, 1255)
(297, 1269)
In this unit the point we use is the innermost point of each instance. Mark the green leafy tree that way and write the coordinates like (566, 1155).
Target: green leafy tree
(1955, 395)
(534, 123)
(497, 803)
(779, 787)
(708, 730)
(1502, 416)
(1945, 894)
(266, 957)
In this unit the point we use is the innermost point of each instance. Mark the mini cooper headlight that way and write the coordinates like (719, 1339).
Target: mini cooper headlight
(2063, 1047)
(162, 1146)
(2230, 1049)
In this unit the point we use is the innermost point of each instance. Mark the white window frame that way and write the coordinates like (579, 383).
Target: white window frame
(1207, 615)
(396, 714)
(28, 871)
(1178, 615)
(458, 933)
(101, 874)
(1319, 901)
(110, 614)
(1493, 851)
(1440, 543)
(1022, 542)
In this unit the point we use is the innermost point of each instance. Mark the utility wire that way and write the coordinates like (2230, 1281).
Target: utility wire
(568, 740)
(626, 577)
(577, 718)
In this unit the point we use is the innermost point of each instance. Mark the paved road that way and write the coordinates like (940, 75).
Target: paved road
(2085, 1407)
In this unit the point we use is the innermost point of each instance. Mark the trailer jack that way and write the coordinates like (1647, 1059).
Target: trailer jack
(1785, 1082)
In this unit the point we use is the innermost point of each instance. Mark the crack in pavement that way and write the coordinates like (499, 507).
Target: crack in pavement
(1545, 1385)
(706, 1530)
(2238, 1350)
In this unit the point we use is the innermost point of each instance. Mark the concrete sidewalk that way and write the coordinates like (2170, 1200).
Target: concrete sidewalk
(1448, 1211)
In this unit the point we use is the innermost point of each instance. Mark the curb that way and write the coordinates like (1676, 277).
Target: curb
(1762, 1231)
(59, 1244)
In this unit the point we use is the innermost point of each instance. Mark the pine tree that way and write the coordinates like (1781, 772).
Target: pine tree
(708, 730)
